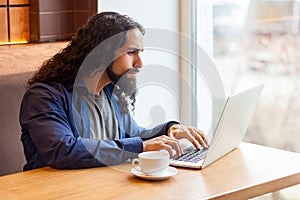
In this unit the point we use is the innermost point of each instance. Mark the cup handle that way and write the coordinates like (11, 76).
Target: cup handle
(135, 163)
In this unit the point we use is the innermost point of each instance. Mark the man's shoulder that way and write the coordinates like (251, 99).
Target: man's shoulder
(53, 88)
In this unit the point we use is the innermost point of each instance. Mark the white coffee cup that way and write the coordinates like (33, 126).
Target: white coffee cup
(152, 163)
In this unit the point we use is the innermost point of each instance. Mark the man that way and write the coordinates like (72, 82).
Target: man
(75, 113)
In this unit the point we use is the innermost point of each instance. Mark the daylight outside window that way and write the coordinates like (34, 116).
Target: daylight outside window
(258, 41)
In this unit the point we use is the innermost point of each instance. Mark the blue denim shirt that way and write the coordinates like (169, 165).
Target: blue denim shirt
(53, 115)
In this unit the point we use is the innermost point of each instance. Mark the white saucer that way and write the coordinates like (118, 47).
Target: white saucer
(171, 171)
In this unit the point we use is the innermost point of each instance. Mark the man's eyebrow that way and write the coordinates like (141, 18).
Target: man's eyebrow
(135, 49)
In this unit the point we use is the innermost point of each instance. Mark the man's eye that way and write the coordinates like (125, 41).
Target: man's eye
(131, 52)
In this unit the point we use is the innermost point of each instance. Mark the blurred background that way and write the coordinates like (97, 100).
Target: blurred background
(258, 41)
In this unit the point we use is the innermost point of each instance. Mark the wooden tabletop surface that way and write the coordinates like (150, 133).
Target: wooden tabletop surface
(249, 171)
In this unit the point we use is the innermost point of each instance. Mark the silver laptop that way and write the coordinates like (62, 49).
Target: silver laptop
(229, 132)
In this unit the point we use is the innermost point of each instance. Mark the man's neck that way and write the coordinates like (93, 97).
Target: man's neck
(96, 83)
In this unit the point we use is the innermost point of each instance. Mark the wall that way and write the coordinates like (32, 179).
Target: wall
(58, 19)
(158, 99)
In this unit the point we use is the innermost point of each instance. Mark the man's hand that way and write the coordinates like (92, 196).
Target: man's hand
(163, 142)
(195, 136)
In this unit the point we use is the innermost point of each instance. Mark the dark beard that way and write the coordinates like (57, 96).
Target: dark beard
(125, 84)
(125, 89)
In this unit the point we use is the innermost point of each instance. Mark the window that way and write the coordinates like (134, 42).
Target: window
(255, 41)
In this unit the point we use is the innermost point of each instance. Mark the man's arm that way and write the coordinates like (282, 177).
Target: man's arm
(44, 116)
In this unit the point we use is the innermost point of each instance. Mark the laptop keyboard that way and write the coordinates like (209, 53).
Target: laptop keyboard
(192, 155)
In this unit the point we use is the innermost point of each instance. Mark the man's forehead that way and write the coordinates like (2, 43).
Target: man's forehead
(135, 40)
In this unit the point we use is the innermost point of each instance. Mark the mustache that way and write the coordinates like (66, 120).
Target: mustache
(132, 70)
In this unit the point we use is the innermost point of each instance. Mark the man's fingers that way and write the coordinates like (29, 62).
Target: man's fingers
(173, 143)
(196, 137)
(192, 139)
(168, 148)
(200, 137)
(163, 142)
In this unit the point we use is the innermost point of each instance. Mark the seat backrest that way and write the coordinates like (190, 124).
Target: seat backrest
(12, 89)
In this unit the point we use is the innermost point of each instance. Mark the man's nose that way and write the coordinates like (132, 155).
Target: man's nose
(138, 62)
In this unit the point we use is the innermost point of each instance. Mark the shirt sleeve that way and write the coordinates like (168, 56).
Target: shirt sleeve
(134, 130)
(44, 117)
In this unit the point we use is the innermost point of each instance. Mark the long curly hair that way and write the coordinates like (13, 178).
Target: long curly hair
(64, 66)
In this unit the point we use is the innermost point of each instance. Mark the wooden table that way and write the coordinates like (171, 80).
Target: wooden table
(249, 171)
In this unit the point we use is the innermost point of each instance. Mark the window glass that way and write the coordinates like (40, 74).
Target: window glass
(258, 41)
